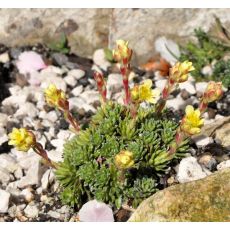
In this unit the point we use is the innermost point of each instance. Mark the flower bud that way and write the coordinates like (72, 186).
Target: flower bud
(179, 72)
(213, 92)
(56, 97)
(22, 139)
(124, 160)
(100, 84)
(122, 53)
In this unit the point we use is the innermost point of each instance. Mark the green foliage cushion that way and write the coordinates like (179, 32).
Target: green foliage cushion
(203, 53)
(89, 172)
(221, 72)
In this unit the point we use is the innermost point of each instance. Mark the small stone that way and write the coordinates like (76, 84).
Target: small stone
(184, 94)
(77, 90)
(70, 80)
(211, 113)
(4, 175)
(90, 96)
(58, 81)
(59, 59)
(190, 170)
(33, 176)
(201, 86)
(65, 134)
(4, 198)
(15, 100)
(3, 120)
(100, 59)
(47, 179)
(83, 81)
(223, 165)
(21, 80)
(114, 84)
(8, 162)
(27, 194)
(188, 86)
(31, 211)
(3, 136)
(26, 161)
(160, 84)
(13, 189)
(18, 173)
(209, 162)
(26, 109)
(202, 140)
(207, 70)
(4, 58)
(77, 73)
(54, 214)
(55, 155)
(176, 103)
(52, 116)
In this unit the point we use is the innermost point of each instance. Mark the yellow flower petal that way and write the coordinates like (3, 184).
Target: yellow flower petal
(189, 110)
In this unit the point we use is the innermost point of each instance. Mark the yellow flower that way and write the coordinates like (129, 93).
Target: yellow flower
(124, 160)
(122, 53)
(192, 122)
(144, 92)
(53, 95)
(213, 91)
(179, 72)
(22, 139)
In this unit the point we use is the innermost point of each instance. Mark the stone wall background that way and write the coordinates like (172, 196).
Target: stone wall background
(89, 29)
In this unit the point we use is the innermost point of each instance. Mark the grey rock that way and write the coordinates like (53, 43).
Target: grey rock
(47, 179)
(77, 90)
(12, 188)
(190, 170)
(4, 198)
(32, 177)
(55, 155)
(53, 79)
(8, 162)
(76, 73)
(60, 58)
(4, 175)
(100, 60)
(31, 211)
(27, 161)
(54, 214)
(163, 45)
(70, 80)
(209, 162)
(223, 165)
(3, 119)
(207, 70)
(90, 96)
(201, 86)
(202, 140)
(188, 86)
(114, 84)
(3, 136)
(160, 84)
(27, 194)
(26, 109)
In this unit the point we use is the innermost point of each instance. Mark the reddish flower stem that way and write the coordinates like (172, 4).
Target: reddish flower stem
(41, 152)
(72, 120)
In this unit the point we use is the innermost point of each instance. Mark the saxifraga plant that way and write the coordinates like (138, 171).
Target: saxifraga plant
(120, 157)
(89, 169)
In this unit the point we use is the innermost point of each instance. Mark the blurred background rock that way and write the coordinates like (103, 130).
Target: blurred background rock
(89, 29)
